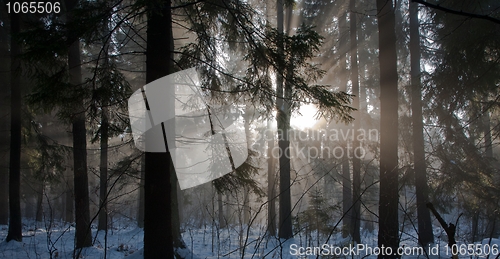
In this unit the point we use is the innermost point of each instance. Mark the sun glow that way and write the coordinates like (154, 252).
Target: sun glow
(306, 118)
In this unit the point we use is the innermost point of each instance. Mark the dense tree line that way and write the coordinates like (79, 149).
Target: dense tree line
(422, 75)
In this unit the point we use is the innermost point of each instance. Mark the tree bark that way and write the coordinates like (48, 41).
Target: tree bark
(39, 201)
(356, 162)
(103, 176)
(68, 193)
(83, 235)
(158, 241)
(271, 192)
(104, 135)
(388, 235)
(425, 235)
(80, 180)
(283, 121)
(15, 226)
(178, 242)
(4, 123)
(345, 167)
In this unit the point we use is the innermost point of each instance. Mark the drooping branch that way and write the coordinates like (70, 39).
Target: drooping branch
(462, 13)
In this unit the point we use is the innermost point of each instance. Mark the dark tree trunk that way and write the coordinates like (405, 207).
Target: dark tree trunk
(178, 242)
(271, 192)
(388, 235)
(346, 198)
(15, 227)
(246, 189)
(68, 194)
(356, 162)
(283, 121)
(158, 241)
(103, 176)
(425, 235)
(39, 201)
(83, 236)
(80, 180)
(345, 168)
(4, 123)
(104, 135)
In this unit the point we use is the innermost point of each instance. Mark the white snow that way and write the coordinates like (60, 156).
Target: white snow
(125, 240)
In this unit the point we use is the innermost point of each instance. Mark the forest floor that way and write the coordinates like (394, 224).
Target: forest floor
(125, 240)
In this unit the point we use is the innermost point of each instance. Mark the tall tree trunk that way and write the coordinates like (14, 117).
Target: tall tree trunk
(4, 123)
(345, 168)
(103, 176)
(246, 189)
(486, 121)
(425, 235)
(104, 135)
(158, 241)
(83, 236)
(283, 120)
(80, 180)
(356, 162)
(15, 227)
(271, 184)
(388, 235)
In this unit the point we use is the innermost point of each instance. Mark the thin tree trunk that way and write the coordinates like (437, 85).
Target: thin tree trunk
(388, 235)
(475, 226)
(356, 162)
(220, 214)
(158, 240)
(39, 201)
(346, 198)
(425, 235)
(68, 193)
(246, 205)
(103, 176)
(15, 226)
(271, 192)
(104, 135)
(246, 189)
(346, 173)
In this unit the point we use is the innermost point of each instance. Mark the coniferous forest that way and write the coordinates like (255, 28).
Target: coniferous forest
(250, 129)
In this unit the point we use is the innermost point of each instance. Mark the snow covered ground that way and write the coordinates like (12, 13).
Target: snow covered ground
(125, 240)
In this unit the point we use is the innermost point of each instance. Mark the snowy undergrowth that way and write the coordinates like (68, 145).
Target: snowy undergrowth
(125, 240)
